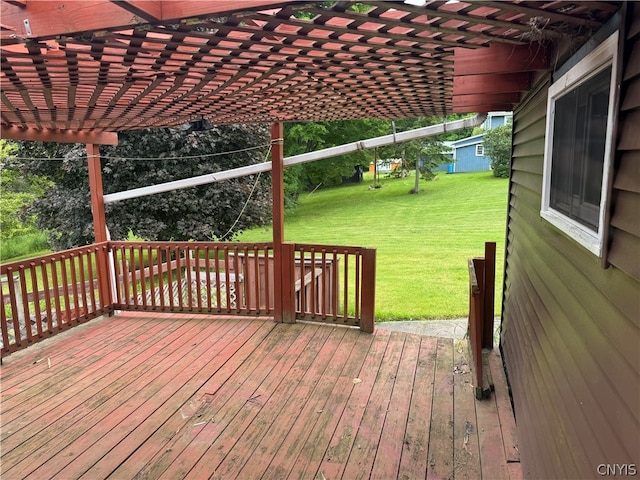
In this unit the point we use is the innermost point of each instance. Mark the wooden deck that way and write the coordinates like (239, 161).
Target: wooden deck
(179, 396)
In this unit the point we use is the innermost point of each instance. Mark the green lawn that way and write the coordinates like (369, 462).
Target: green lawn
(423, 241)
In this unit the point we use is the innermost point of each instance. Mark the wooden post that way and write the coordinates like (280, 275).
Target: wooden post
(368, 307)
(99, 224)
(489, 292)
(97, 193)
(279, 255)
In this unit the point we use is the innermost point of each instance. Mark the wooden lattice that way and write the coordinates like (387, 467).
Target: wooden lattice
(118, 67)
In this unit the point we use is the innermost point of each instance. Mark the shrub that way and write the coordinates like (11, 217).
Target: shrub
(497, 146)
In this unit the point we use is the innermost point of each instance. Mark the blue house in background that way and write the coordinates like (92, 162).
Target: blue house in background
(468, 153)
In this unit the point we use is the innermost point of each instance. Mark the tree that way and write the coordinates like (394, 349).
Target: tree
(145, 158)
(309, 137)
(497, 146)
(18, 192)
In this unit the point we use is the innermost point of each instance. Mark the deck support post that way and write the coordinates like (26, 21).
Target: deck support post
(99, 223)
(284, 310)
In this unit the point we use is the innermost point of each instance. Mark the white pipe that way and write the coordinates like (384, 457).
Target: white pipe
(302, 158)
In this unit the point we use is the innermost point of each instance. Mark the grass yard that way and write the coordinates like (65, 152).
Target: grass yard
(423, 241)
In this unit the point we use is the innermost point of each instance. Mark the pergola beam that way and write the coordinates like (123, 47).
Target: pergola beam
(80, 16)
(60, 136)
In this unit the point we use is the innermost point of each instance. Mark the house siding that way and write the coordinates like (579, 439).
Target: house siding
(468, 161)
(571, 328)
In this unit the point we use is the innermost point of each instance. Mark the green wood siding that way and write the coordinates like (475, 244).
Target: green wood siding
(571, 328)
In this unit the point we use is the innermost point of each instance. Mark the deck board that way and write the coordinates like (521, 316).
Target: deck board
(185, 396)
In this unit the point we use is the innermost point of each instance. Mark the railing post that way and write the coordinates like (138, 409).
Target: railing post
(368, 305)
(288, 283)
(488, 302)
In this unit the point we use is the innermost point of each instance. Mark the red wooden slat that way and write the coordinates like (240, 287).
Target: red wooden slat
(84, 283)
(47, 294)
(36, 298)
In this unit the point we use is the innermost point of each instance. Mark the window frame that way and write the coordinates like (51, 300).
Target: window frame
(603, 56)
(479, 148)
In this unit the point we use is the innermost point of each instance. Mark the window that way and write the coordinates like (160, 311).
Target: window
(578, 146)
(480, 150)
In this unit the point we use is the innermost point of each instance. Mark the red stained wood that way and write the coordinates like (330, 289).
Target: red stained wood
(497, 83)
(391, 443)
(173, 396)
(59, 136)
(499, 58)
(440, 456)
(413, 463)
(466, 452)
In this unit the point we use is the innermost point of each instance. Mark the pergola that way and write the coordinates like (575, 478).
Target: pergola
(82, 71)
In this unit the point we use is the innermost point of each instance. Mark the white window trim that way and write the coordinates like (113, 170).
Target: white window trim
(600, 58)
(478, 147)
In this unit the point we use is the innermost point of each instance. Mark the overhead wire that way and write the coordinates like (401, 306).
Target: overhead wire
(186, 157)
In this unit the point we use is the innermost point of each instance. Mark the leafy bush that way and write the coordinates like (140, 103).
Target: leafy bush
(497, 146)
(23, 246)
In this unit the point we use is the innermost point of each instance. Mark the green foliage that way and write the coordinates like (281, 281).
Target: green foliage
(24, 246)
(309, 137)
(200, 213)
(433, 154)
(18, 191)
(497, 146)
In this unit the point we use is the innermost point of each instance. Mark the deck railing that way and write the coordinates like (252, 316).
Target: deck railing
(335, 284)
(42, 296)
(482, 274)
(45, 295)
(201, 277)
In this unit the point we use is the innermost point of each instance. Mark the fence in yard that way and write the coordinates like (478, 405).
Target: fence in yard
(44, 295)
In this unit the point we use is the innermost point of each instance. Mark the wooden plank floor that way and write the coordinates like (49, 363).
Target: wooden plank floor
(178, 396)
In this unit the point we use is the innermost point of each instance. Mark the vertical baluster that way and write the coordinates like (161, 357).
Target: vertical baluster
(169, 277)
(267, 280)
(198, 282)
(256, 277)
(358, 258)
(24, 300)
(4, 323)
(246, 282)
(134, 279)
(189, 280)
(15, 312)
(56, 294)
(217, 278)
(236, 280)
(143, 276)
(163, 260)
(74, 288)
(125, 275)
(36, 298)
(179, 253)
(345, 290)
(207, 270)
(335, 287)
(228, 275)
(301, 293)
(45, 268)
(83, 281)
(323, 284)
(314, 307)
(152, 288)
(64, 278)
(91, 257)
